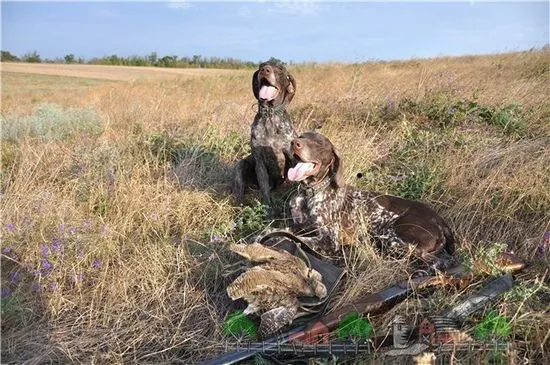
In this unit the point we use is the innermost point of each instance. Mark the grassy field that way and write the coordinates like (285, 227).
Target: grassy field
(116, 211)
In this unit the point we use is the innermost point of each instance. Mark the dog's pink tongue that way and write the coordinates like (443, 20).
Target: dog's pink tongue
(268, 92)
(300, 171)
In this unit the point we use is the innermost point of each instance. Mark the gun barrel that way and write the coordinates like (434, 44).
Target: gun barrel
(240, 355)
(480, 299)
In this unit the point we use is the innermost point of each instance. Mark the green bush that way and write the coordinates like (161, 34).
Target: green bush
(416, 183)
(51, 122)
(445, 112)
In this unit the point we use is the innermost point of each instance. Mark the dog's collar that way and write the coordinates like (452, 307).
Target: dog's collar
(311, 190)
(268, 110)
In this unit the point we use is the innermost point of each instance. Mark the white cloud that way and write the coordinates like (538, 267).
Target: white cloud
(107, 14)
(297, 8)
(179, 4)
(245, 12)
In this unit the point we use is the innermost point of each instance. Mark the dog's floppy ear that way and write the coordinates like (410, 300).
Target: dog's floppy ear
(290, 89)
(337, 180)
(256, 85)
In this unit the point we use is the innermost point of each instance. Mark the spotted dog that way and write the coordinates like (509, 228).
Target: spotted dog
(326, 212)
(271, 133)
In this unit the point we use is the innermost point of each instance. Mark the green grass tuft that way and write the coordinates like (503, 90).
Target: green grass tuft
(494, 326)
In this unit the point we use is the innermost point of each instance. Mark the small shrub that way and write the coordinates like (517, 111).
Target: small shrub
(252, 218)
(51, 122)
(234, 144)
(509, 119)
(10, 155)
(11, 308)
(248, 220)
(486, 257)
(164, 148)
(101, 206)
(415, 183)
(206, 148)
(445, 112)
(534, 292)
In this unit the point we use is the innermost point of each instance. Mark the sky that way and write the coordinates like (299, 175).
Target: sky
(294, 31)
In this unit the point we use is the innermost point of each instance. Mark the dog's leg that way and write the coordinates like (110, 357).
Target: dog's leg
(238, 182)
(243, 177)
(263, 180)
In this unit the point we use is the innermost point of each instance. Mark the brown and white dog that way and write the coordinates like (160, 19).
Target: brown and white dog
(325, 210)
(271, 133)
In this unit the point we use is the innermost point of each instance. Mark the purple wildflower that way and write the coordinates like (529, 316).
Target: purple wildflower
(44, 250)
(10, 227)
(81, 167)
(216, 238)
(79, 252)
(6, 293)
(35, 286)
(62, 227)
(14, 277)
(46, 266)
(53, 285)
(57, 246)
(8, 251)
(544, 246)
(73, 230)
(96, 264)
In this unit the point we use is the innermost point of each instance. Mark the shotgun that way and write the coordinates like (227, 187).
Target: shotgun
(318, 330)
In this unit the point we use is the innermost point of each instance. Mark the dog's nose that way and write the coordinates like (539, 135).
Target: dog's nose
(296, 144)
(266, 70)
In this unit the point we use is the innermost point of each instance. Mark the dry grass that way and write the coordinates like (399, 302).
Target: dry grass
(117, 233)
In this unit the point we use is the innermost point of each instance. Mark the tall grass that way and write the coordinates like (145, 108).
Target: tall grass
(115, 217)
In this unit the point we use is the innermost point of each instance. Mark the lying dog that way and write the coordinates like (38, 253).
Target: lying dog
(271, 132)
(328, 209)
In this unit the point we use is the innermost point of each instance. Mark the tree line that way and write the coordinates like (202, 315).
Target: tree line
(152, 59)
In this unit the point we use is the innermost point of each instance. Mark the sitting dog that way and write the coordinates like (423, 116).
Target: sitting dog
(330, 210)
(271, 133)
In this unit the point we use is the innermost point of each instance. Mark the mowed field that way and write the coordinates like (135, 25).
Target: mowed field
(126, 73)
(117, 213)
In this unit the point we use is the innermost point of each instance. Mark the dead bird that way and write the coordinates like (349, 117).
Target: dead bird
(272, 288)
